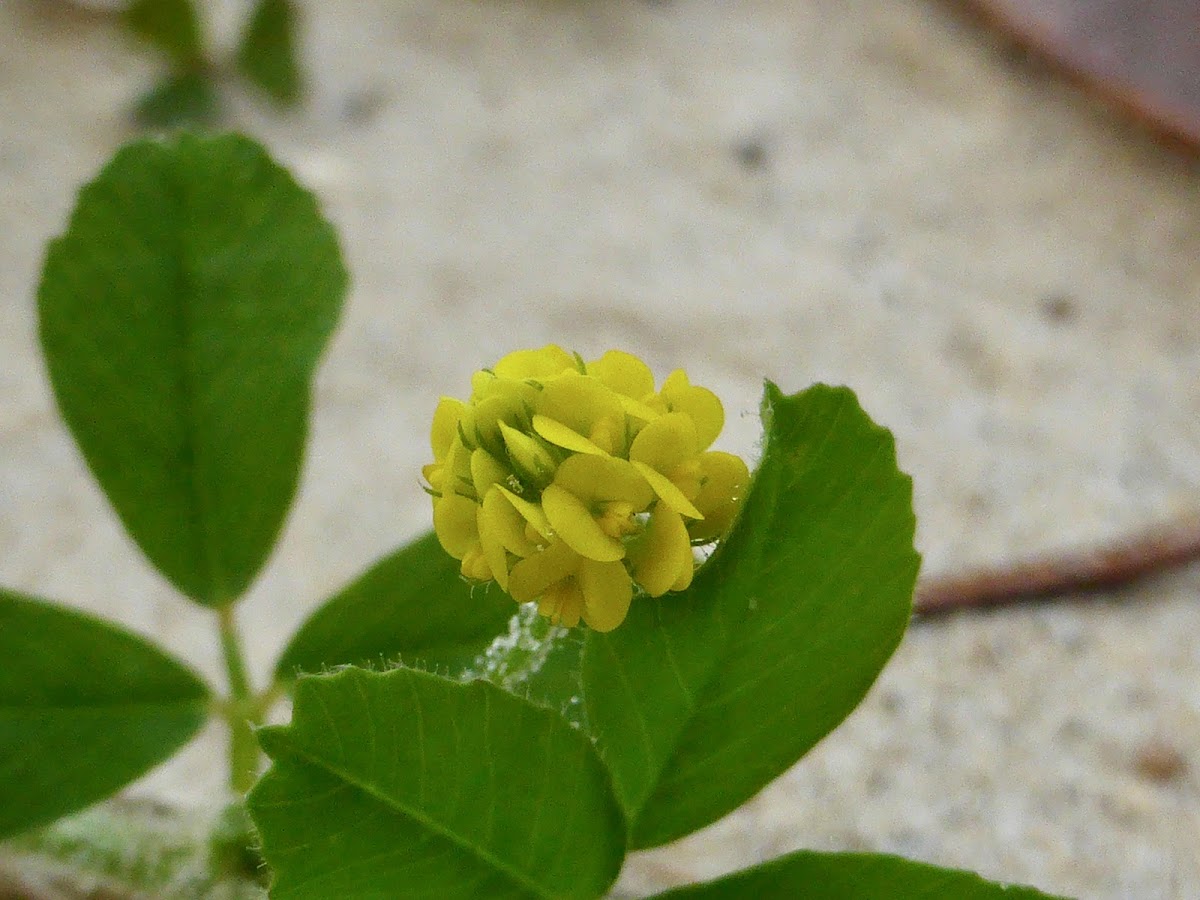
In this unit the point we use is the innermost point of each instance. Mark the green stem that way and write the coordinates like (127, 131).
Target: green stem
(241, 713)
(266, 700)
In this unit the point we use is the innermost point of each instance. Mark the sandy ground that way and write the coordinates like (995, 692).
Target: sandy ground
(873, 194)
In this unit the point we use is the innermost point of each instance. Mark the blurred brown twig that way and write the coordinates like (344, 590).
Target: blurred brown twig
(1112, 565)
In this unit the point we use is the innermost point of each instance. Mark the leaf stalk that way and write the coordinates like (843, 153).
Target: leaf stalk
(243, 711)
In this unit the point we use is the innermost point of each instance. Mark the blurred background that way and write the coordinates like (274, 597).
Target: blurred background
(890, 196)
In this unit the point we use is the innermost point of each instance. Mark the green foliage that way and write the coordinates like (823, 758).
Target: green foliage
(182, 316)
(171, 26)
(850, 876)
(186, 97)
(558, 681)
(410, 607)
(84, 709)
(267, 54)
(700, 700)
(404, 784)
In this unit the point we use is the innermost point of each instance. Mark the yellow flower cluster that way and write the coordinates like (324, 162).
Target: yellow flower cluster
(568, 482)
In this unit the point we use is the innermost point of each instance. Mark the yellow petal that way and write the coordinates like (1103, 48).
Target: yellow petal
(665, 443)
(454, 522)
(560, 435)
(686, 477)
(700, 404)
(503, 524)
(475, 565)
(610, 434)
(624, 373)
(562, 603)
(549, 360)
(530, 512)
(668, 492)
(531, 576)
(604, 479)
(493, 528)
(617, 518)
(664, 553)
(486, 470)
(486, 384)
(578, 401)
(433, 474)
(484, 420)
(533, 460)
(642, 410)
(573, 522)
(607, 592)
(684, 581)
(481, 383)
(456, 475)
(445, 425)
(724, 481)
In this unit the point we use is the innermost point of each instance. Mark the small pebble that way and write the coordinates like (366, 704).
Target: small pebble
(1059, 309)
(751, 154)
(1157, 760)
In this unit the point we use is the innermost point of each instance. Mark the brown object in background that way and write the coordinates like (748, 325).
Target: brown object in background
(1143, 54)
(1073, 572)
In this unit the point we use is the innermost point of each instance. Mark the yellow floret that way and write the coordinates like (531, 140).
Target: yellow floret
(572, 484)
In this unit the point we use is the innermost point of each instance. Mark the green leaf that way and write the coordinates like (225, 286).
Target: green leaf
(171, 26)
(700, 699)
(85, 708)
(412, 606)
(182, 316)
(404, 784)
(558, 682)
(178, 100)
(850, 876)
(267, 54)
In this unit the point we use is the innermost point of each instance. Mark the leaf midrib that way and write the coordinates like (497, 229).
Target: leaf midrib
(415, 815)
(696, 698)
(214, 587)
